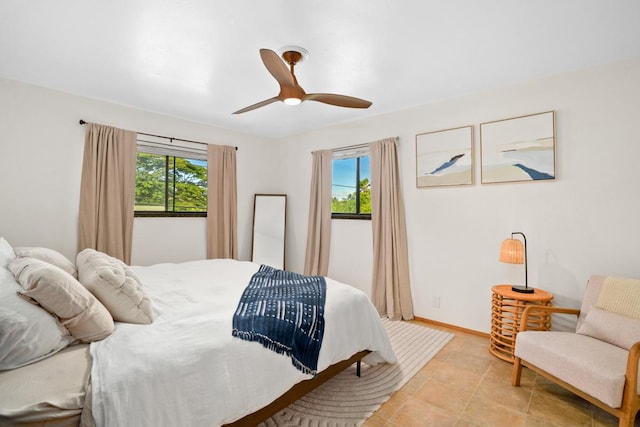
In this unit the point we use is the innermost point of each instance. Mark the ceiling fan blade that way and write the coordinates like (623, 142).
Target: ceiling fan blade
(258, 105)
(338, 100)
(277, 67)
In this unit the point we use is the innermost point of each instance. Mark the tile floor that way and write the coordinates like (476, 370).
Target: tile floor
(464, 385)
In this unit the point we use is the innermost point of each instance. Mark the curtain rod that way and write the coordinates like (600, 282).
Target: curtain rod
(350, 147)
(82, 122)
(358, 146)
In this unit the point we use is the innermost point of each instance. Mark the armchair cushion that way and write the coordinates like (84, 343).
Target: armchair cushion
(599, 371)
(611, 327)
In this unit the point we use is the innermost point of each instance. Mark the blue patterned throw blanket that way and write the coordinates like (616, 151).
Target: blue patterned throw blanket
(284, 311)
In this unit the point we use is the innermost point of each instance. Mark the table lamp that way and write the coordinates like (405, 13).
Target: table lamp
(513, 252)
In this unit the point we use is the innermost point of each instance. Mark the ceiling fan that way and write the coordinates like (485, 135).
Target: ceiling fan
(291, 92)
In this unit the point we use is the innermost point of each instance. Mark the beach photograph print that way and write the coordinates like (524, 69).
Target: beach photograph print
(445, 158)
(518, 149)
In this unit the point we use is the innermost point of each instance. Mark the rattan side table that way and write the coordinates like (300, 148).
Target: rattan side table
(506, 312)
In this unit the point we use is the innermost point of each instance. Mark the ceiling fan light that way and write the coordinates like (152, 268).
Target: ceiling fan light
(292, 101)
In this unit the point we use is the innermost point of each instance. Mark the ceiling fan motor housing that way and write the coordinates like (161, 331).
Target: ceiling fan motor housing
(287, 92)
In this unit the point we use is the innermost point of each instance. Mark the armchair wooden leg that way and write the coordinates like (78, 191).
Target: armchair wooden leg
(517, 372)
(626, 420)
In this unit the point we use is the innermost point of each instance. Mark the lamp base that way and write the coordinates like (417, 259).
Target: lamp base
(522, 289)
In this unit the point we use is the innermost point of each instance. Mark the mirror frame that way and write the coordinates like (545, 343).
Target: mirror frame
(284, 231)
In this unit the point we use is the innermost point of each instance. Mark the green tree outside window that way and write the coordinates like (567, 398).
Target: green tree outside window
(351, 187)
(170, 184)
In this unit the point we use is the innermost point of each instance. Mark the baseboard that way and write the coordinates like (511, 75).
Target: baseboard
(446, 325)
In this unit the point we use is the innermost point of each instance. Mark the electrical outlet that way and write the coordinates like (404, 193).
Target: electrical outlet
(435, 302)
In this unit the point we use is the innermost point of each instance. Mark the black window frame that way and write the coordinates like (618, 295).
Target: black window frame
(167, 188)
(357, 214)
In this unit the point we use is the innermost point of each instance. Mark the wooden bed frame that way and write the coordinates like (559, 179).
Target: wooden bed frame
(297, 391)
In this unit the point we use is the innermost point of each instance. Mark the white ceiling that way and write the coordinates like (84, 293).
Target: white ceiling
(199, 60)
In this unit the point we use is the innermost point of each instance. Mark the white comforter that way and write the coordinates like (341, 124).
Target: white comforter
(186, 369)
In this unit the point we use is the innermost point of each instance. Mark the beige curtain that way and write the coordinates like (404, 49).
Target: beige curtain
(319, 230)
(107, 191)
(391, 290)
(222, 202)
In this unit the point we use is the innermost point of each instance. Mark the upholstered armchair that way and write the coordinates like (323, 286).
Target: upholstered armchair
(598, 362)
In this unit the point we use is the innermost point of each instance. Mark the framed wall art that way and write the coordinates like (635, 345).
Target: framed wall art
(520, 149)
(445, 158)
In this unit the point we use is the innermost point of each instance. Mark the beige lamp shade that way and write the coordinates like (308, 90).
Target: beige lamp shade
(512, 251)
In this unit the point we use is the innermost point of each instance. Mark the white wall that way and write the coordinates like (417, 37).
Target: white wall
(41, 146)
(586, 222)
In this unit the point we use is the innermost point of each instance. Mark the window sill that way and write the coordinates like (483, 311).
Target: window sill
(150, 214)
(350, 216)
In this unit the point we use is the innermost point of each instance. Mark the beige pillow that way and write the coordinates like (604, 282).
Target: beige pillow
(610, 327)
(113, 283)
(62, 295)
(48, 255)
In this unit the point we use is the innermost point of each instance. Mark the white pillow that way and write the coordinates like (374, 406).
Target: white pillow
(6, 253)
(28, 333)
(113, 283)
(610, 327)
(48, 255)
(62, 295)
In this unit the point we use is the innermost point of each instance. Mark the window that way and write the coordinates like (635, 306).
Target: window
(170, 182)
(351, 186)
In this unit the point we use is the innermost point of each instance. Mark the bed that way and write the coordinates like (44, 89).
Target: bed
(185, 367)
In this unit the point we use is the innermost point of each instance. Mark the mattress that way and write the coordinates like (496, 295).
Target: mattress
(49, 392)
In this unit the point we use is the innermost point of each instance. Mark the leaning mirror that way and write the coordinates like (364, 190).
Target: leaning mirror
(269, 225)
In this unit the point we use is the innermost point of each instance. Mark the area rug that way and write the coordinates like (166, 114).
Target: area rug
(346, 400)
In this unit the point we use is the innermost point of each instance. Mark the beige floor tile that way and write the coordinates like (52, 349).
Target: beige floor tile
(474, 363)
(546, 388)
(516, 398)
(501, 371)
(415, 413)
(608, 421)
(468, 343)
(375, 421)
(431, 367)
(604, 419)
(415, 384)
(467, 423)
(490, 414)
(536, 422)
(446, 396)
(443, 355)
(559, 412)
(459, 375)
(391, 406)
